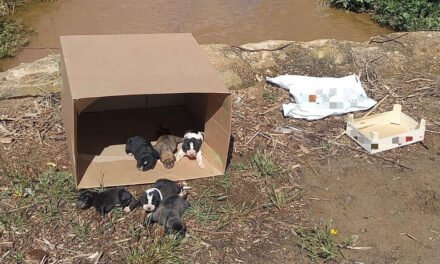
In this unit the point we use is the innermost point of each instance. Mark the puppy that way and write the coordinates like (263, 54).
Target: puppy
(166, 146)
(105, 201)
(169, 214)
(161, 189)
(191, 146)
(144, 153)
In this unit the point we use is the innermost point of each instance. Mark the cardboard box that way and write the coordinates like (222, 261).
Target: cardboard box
(118, 86)
(385, 131)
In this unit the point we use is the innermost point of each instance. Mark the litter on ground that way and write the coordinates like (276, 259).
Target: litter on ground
(386, 130)
(319, 97)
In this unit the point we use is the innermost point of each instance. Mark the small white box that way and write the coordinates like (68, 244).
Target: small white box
(386, 130)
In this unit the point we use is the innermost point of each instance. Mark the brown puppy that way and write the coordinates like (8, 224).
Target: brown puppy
(166, 145)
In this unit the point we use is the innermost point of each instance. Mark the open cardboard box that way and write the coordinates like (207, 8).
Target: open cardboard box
(386, 130)
(118, 86)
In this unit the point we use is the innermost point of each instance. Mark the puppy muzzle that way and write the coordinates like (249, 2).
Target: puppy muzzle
(191, 153)
(148, 207)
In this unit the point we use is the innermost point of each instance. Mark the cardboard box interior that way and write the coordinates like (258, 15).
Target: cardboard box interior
(385, 124)
(105, 125)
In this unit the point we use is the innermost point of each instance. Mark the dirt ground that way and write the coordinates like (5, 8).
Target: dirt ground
(388, 203)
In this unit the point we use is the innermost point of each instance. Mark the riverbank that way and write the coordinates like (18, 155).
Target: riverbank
(396, 14)
(389, 55)
(313, 178)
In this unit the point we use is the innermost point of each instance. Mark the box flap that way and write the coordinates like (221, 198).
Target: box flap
(114, 65)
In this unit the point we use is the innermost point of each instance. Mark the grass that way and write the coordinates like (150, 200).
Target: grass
(269, 95)
(10, 5)
(320, 243)
(80, 229)
(263, 165)
(203, 211)
(159, 250)
(12, 37)
(281, 196)
(14, 221)
(46, 195)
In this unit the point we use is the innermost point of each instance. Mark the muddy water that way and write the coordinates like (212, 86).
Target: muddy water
(210, 21)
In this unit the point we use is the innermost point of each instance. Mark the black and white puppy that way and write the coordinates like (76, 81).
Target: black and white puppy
(161, 189)
(192, 146)
(169, 215)
(105, 201)
(144, 153)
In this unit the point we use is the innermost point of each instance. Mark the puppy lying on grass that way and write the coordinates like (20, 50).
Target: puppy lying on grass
(161, 189)
(144, 153)
(169, 215)
(106, 200)
(192, 146)
(166, 146)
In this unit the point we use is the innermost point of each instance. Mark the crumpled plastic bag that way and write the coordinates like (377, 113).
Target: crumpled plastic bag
(319, 97)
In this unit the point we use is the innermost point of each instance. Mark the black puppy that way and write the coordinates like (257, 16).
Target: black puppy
(144, 153)
(105, 201)
(161, 189)
(169, 214)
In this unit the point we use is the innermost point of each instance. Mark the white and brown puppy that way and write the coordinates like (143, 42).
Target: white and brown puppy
(192, 146)
(166, 146)
(169, 215)
(161, 189)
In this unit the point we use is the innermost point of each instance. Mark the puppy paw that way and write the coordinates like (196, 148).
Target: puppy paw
(201, 165)
(130, 154)
(127, 209)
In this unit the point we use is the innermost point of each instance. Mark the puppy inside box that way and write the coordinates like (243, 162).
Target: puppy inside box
(105, 125)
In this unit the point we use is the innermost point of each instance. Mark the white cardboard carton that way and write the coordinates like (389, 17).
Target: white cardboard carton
(385, 131)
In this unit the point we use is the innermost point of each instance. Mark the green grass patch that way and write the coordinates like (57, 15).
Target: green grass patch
(46, 195)
(12, 37)
(269, 95)
(320, 243)
(263, 165)
(14, 220)
(80, 229)
(160, 250)
(56, 189)
(226, 182)
(203, 211)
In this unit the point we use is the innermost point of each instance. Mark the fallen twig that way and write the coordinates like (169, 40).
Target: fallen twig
(419, 79)
(387, 39)
(257, 50)
(252, 138)
(211, 232)
(318, 199)
(377, 105)
(270, 109)
(430, 131)
(413, 238)
(358, 248)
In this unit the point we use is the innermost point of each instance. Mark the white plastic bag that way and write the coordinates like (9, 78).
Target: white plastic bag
(319, 97)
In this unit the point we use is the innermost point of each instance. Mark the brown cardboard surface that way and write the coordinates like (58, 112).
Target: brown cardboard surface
(118, 86)
(112, 65)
